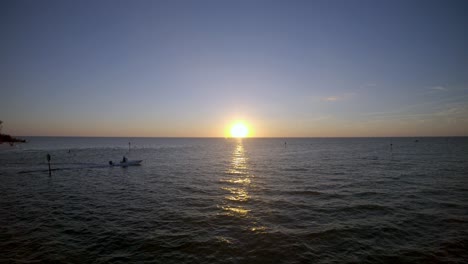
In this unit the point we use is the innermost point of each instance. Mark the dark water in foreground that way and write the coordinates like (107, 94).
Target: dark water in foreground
(231, 201)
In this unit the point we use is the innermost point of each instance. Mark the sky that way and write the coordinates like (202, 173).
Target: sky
(350, 68)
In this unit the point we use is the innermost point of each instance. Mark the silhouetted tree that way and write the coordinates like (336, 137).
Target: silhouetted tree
(8, 138)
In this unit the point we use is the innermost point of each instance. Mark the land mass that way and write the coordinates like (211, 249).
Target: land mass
(10, 139)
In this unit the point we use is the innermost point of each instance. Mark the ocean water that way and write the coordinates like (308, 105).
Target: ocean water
(358, 200)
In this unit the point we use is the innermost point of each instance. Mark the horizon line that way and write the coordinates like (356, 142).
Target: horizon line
(279, 137)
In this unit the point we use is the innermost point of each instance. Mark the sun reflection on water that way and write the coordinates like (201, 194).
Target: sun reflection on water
(238, 183)
(239, 194)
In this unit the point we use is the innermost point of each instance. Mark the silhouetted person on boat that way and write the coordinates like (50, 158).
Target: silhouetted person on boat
(124, 159)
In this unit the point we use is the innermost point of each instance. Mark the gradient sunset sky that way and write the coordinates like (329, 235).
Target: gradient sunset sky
(192, 68)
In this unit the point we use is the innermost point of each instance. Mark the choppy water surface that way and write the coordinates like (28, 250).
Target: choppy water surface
(236, 201)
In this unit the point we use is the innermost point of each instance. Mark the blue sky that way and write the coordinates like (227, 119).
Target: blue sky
(191, 68)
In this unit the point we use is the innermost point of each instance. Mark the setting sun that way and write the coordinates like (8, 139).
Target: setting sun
(239, 130)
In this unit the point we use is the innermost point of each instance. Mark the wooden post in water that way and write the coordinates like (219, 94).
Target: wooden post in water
(48, 161)
(391, 149)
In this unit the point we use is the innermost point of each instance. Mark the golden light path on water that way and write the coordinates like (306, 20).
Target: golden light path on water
(239, 181)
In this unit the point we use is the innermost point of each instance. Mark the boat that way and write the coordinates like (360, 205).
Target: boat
(126, 163)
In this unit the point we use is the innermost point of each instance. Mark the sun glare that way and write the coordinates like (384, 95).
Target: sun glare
(239, 130)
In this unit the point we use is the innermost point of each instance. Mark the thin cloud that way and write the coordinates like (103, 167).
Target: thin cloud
(437, 103)
(367, 85)
(453, 110)
(441, 111)
(342, 97)
(438, 88)
(331, 99)
(335, 98)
